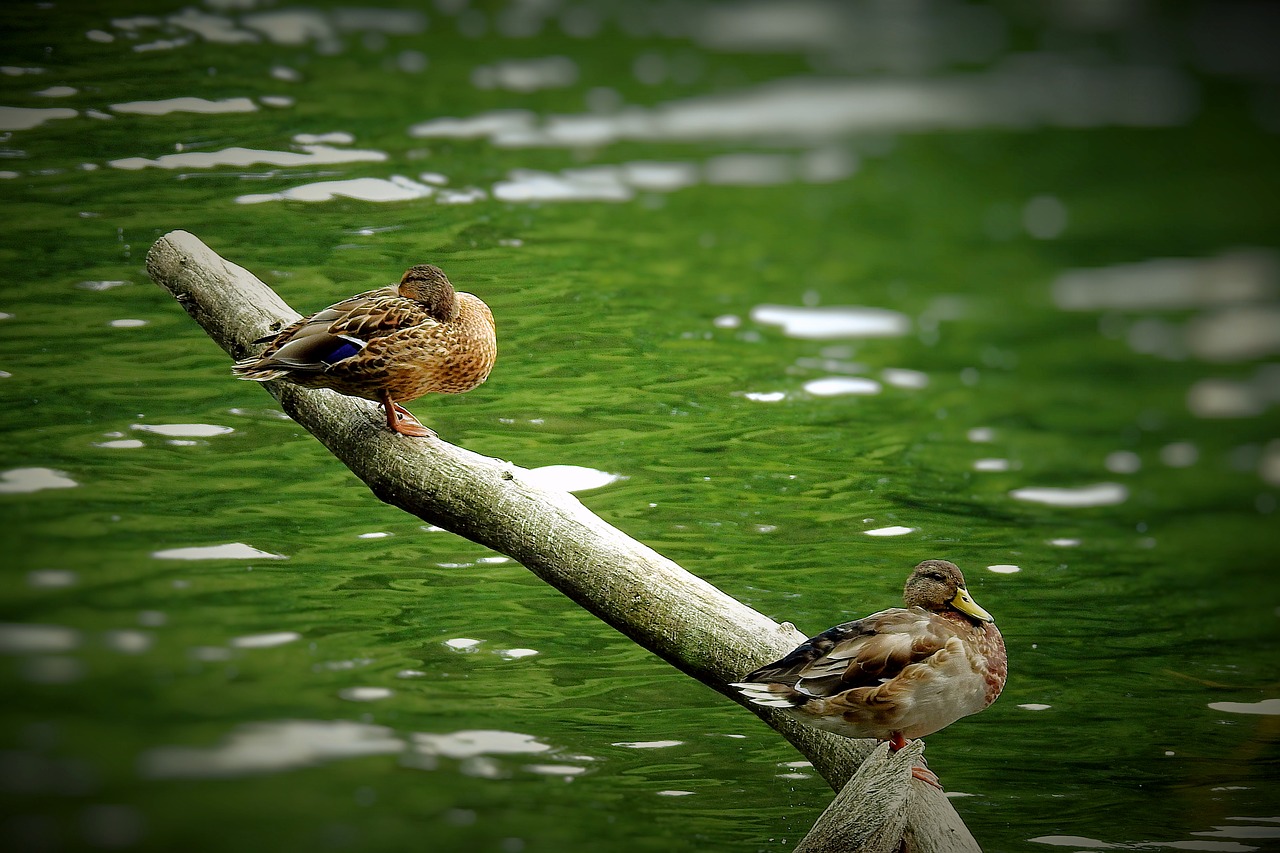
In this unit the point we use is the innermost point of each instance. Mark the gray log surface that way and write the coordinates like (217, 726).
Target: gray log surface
(665, 609)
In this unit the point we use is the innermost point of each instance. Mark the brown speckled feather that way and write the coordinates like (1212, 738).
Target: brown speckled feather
(900, 672)
(391, 344)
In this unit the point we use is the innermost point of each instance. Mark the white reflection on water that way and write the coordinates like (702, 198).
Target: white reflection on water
(25, 118)
(833, 322)
(1179, 454)
(569, 478)
(18, 638)
(470, 743)
(395, 188)
(311, 155)
(336, 137)
(526, 75)
(186, 105)
(895, 530)
(1208, 846)
(1099, 494)
(1172, 283)
(1123, 462)
(903, 377)
(128, 641)
(555, 769)
(265, 641)
(185, 430)
(286, 26)
(649, 744)
(51, 578)
(25, 480)
(1023, 93)
(1071, 841)
(594, 184)
(1268, 707)
(231, 551)
(835, 386)
(1269, 465)
(270, 747)
(1236, 334)
(365, 694)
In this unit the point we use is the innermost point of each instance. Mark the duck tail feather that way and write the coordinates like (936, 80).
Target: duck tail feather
(771, 695)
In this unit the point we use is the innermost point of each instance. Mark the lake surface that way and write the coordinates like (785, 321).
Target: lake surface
(807, 296)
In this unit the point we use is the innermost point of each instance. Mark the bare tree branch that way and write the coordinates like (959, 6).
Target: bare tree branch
(672, 613)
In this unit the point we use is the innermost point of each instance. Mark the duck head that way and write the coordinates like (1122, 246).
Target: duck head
(938, 586)
(429, 285)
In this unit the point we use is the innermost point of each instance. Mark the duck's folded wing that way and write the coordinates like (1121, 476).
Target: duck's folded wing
(372, 315)
(864, 653)
(342, 330)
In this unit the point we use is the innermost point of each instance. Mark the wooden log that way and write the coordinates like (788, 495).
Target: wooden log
(672, 613)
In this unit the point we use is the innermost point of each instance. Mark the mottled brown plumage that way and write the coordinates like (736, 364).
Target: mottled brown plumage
(897, 674)
(391, 345)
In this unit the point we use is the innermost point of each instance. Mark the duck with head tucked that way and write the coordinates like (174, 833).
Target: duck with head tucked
(897, 674)
(389, 345)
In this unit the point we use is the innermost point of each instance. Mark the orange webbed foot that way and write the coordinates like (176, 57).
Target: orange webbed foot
(924, 774)
(401, 420)
(927, 776)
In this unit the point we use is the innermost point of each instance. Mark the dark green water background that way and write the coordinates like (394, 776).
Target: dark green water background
(1088, 298)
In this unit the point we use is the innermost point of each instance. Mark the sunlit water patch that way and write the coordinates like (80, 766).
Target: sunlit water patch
(838, 386)
(26, 118)
(569, 478)
(1099, 494)
(893, 530)
(51, 578)
(365, 694)
(270, 747)
(25, 639)
(265, 641)
(834, 322)
(185, 105)
(230, 551)
(26, 480)
(526, 75)
(1172, 283)
(310, 155)
(184, 430)
(817, 109)
(1266, 707)
(395, 188)
(474, 742)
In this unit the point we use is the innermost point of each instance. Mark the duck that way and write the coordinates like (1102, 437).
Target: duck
(390, 345)
(898, 674)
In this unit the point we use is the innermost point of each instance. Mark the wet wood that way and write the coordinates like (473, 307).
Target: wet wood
(672, 613)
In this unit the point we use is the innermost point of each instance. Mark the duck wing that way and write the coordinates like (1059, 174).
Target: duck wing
(863, 653)
(342, 330)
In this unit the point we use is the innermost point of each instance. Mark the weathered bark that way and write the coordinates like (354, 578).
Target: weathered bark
(878, 794)
(677, 616)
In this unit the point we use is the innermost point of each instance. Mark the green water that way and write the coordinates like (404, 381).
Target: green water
(1086, 298)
